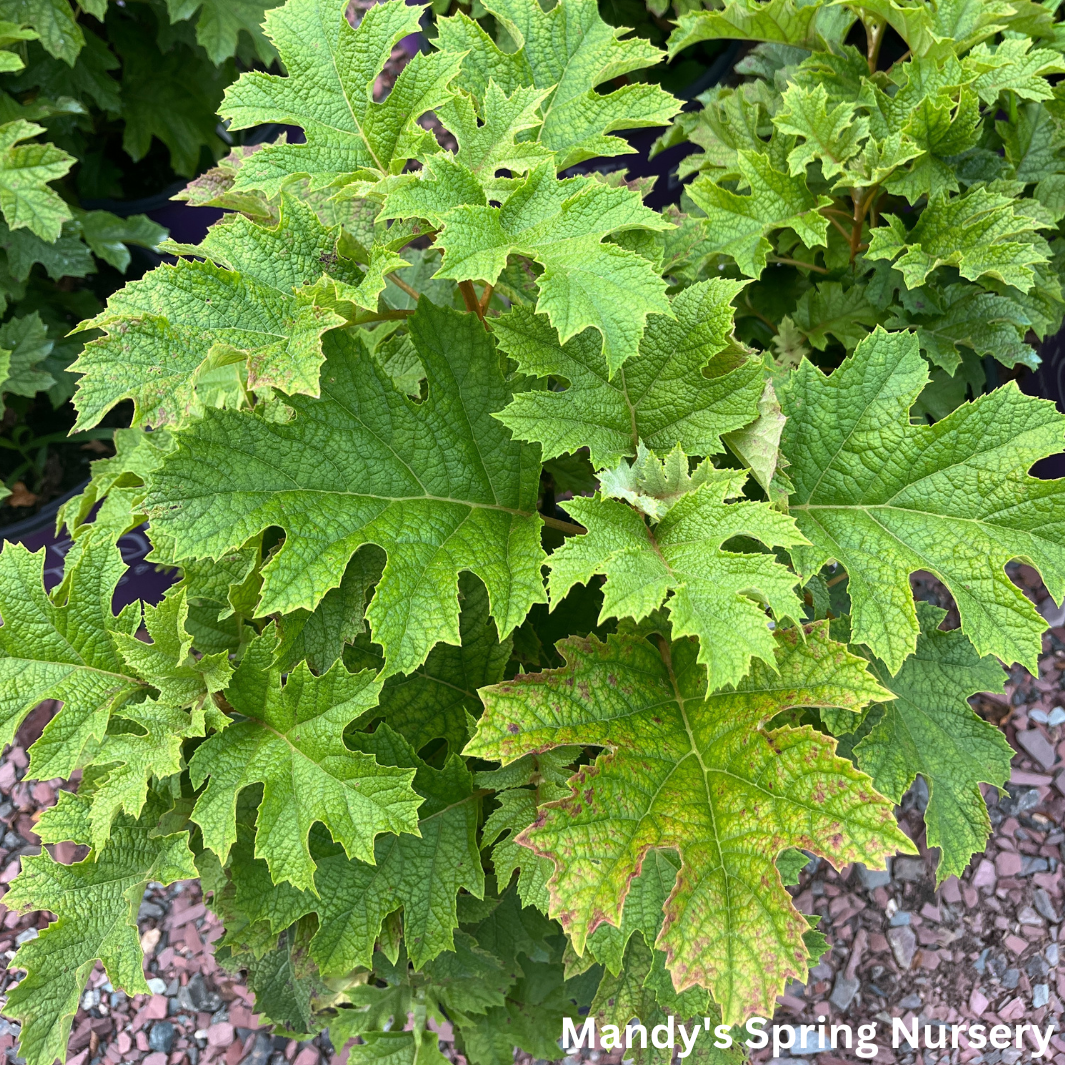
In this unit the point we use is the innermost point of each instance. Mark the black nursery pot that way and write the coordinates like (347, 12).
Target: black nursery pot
(1048, 382)
(142, 579)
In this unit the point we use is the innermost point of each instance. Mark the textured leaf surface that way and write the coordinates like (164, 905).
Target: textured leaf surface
(886, 498)
(290, 740)
(62, 650)
(26, 344)
(95, 902)
(559, 224)
(221, 22)
(717, 595)
(422, 874)
(661, 398)
(165, 330)
(694, 772)
(328, 93)
(738, 225)
(930, 729)
(26, 199)
(439, 485)
(566, 52)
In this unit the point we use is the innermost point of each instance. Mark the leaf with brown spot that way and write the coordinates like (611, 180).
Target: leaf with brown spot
(707, 782)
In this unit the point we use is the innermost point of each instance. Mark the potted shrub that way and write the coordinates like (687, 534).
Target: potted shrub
(545, 558)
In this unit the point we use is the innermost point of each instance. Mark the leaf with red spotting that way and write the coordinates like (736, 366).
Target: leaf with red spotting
(700, 774)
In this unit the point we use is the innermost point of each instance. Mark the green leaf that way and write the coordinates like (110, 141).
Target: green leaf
(444, 467)
(559, 224)
(738, 225)
(930, 729)
(328, 93)
(25, 342)
(830, 135)
(66, 257)
(829, 310)
(786, 21)
(717, 595)
(64, 649)
(676, 391)
(290, 739)
(26, 199)
(565, 52)
(439, 699)
(1014, 67)
(242, 300)
(53, 22)
(421, 873)
(95, 902)
(952, 498)
(172, 96)
(221, 22)
(695, 772)
(981, 233)
(318, 636)
(108, 235)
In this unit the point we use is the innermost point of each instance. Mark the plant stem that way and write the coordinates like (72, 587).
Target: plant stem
(566, 527)
(874, 39)
(835, 580)
(470, 298)
(381, 316)
(400, 283)
(486, 297)
(800, 263)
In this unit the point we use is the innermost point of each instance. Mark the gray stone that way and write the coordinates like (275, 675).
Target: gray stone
(1011, 979)
(150, 909)
(1052, 954)
(911, 1002)
(903, 945)
(1031, 864)
(161, 1036)
(1026, 915)
(26, 936)
(1056, 717)
(843, 992)
(911, 869)
(874, 878)
(1040, 995)
(1034, 743)
(260, 1052)
(899, 918)
(156, 985)
(1044, 906)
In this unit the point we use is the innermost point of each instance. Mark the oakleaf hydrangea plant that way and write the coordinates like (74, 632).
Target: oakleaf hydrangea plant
(544, 557)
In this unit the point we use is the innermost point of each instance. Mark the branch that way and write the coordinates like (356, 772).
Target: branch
(800, 263)
(400, 283)
(470, 298)
(486, 297)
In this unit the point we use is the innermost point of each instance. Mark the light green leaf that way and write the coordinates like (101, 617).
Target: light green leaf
(685, 387)
(63, 649)
(952, 498)
(242, 301)
(1014, 67)
(26, 199)
(328, 93)
(694, 771)
(739, 225)
(290, 739)
(561, 225)
(444, 467)
(786, 21)
(95, 902)
(717, 595)
(53, 22)
(829, 310)
(981, 233)
(830, 135)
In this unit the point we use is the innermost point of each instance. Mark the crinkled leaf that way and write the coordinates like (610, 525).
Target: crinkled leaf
(328, 93)
(953, 498)
(290, 739)
(95, 902)
(662, 398)
(738, 225)
(26, 344)
(242, 298)
(695, 772)
(26, 199)
(717, 595)
(444, 467)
